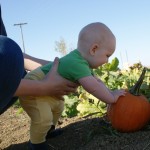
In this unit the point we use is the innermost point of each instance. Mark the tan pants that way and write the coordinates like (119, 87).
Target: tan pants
(43, 111)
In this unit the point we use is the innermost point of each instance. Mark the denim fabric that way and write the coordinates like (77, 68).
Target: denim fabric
(2, 27)
(11, 68)
(11, 71)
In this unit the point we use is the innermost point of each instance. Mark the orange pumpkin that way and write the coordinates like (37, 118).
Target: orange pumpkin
(132, 111)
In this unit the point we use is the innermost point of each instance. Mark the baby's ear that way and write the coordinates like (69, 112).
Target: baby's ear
(93, 49)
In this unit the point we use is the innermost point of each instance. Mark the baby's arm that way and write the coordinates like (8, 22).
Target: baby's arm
(98, 89)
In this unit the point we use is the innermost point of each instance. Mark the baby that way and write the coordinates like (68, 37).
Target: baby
(96, 43)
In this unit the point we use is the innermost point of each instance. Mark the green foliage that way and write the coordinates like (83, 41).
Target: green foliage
(20, 110)
(90, 105)
(113, 66)
(108, 70)
(70, 106)
(82, 103)
(145, 88)
(17, 104)
(114, 78)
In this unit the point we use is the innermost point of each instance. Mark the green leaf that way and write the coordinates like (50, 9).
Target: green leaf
(70, 109)
(113, 66)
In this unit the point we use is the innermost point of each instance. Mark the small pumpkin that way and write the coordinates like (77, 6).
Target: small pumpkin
(132, 111)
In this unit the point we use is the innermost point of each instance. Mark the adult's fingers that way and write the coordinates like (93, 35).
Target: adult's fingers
(70, 89)
(71, 84)
(55, 65)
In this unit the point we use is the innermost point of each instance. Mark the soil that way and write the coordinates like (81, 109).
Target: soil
(78, 134)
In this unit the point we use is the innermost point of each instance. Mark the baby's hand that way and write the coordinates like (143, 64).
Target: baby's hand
(118, 93)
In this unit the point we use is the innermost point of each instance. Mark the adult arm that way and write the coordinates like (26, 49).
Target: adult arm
(31, 63)
(98, 89)
(52, 85)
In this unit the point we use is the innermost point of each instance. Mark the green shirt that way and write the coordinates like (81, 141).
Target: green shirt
(72, 66)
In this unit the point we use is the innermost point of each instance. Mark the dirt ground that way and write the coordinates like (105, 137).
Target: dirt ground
(79, 134)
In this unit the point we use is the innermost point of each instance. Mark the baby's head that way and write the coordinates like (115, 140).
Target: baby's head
(96, 44)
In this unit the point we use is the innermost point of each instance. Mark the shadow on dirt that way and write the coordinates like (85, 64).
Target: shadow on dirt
(93, 133)
(75, 136)
(20, 146)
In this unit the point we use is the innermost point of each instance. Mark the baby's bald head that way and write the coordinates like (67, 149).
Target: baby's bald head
(94, 33)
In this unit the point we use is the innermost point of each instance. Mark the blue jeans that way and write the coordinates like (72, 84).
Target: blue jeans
(5, 104)
(2, 27)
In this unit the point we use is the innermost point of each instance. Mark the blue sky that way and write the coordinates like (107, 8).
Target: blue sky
(49, 20)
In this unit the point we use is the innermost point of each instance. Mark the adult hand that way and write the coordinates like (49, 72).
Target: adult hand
(52, 85)
(55, 85)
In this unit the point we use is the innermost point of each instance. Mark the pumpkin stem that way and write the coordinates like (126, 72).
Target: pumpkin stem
(135, 90)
